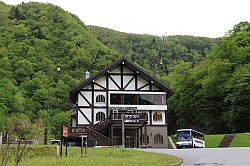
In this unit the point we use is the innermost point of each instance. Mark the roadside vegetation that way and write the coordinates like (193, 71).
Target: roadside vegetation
(213, 141)
(46, 156)
(241, 140)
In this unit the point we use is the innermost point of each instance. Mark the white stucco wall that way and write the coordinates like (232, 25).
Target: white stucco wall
(126, 70)
(81, 118)
(82, 101)
(131, 85)
(141, 82)
(101, 81)
(116, 70)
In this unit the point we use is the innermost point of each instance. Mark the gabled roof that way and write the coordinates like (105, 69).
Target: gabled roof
(131, 66)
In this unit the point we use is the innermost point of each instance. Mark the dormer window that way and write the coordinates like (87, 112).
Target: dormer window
(100, 99)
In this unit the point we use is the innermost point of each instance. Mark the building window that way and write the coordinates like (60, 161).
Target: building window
(100, 116)
(130, 99)
(157, 116)
(158, 139)
(116, 141)
(138, 99)
(116, 99)
(100, 99)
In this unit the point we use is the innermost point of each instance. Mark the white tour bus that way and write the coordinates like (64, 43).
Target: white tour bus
(189, 138)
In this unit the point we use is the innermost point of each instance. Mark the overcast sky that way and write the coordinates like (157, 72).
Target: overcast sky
(209, 18)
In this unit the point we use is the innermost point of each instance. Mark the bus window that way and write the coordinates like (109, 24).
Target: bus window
(183, 136)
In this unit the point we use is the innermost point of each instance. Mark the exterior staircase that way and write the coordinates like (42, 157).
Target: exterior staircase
(92, 134)
(226, 140)
(96, 133)
(100, 126)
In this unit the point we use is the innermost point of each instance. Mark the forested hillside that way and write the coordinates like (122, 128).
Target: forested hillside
(212, 87)
(214, 95)
(35, 39)
(210, 76)
(153, 52)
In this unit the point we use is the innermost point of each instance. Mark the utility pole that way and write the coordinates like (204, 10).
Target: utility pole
(1, 140)
(47, 115)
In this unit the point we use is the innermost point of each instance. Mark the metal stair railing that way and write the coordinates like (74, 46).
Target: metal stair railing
(101, 125)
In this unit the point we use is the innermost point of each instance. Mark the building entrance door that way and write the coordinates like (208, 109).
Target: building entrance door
(116, 141)
(130, 142)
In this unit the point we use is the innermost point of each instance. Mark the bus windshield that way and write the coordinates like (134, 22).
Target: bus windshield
(183, 136)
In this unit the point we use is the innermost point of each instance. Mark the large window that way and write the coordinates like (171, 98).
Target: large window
(100, 116)
(130, 99)
(138, 99)
(116, 99)
(158, 139)
(157, 116)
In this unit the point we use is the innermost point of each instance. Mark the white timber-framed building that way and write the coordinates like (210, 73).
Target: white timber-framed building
(120, 105)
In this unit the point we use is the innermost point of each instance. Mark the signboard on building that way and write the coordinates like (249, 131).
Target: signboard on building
(123, 108)
(130, 118)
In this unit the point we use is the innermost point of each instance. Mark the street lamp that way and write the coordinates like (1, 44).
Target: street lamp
(58, 70)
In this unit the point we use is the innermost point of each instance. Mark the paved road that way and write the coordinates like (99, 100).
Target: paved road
(209, 156)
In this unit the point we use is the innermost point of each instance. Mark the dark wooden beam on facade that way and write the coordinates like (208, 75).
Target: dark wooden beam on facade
(122, 76)
(93, 101)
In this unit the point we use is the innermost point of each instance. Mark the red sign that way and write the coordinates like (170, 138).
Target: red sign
(65, 131)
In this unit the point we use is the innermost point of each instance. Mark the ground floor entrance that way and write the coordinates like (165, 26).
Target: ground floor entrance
(130, 142)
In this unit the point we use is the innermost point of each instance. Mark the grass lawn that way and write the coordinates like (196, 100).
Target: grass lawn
(241, 140)
(213, 141)
(45, 156)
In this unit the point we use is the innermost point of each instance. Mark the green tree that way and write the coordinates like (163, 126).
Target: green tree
(57, 121)
(237, 98)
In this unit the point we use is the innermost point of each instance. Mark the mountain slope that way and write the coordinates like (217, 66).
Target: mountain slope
(147, 49)
(36, 38)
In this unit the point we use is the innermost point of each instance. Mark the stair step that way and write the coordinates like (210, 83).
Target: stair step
(226, 140)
